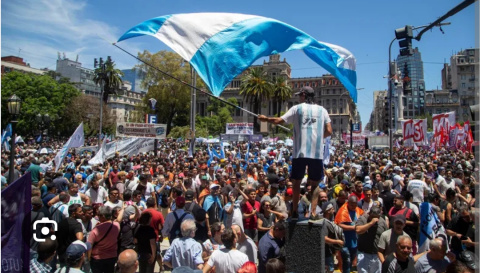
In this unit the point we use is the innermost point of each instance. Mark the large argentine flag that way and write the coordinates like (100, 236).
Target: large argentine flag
(222, 45)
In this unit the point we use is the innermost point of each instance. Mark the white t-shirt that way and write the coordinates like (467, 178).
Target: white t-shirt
(97, 196)
(443, 185)
(417, 188)
(309, 121)
(227, 261)
(119, 204)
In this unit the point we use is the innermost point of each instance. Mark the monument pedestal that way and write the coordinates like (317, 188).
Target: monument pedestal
(305, 247)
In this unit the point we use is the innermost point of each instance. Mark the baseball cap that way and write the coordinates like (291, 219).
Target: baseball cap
(468, 258)
(76, 249)
(334, 169)
(326, 206)
(275, 186)
(399, 218)
(322, 186)
(189, 195)
(345, 182)
(180, 201)
(397, 168)
(307, 90)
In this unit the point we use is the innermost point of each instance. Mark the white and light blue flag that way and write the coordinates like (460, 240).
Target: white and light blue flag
(7, 133)
(76, 140)
(220, 46)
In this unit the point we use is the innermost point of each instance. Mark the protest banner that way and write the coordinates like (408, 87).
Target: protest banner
(239, 129)
(143, 130)
(414, 132)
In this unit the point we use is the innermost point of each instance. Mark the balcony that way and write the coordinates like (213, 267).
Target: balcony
(443, 104)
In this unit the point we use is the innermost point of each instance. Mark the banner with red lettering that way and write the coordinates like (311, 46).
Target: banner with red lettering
(358, 139)
(414, 132)
(441, 127)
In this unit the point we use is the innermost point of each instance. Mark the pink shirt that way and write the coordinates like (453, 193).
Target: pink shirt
(107, 248)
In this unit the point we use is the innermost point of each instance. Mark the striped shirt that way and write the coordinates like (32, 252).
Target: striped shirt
(309, 121)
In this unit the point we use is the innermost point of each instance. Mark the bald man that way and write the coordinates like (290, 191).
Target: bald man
(127, 261)
(245, 244)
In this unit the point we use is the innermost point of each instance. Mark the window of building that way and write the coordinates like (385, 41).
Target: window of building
(301, 85)
(463, 77)
(463, 85)
(296, 85)
(334, 121)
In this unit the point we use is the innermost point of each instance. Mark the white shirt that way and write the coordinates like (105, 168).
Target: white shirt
(443, 185)
(227, 261)
(97, 196)
(119, 204)
(309, 121)
(417, 188)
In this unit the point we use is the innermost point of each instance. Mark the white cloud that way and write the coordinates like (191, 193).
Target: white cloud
(41, 28)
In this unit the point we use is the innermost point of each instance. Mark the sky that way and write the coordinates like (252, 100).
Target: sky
(37, 30)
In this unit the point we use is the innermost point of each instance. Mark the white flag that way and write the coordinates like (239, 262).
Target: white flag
(76, 140)
(415, 147)
(101, 155)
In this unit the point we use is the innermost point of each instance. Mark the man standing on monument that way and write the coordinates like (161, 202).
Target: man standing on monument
(311, 124)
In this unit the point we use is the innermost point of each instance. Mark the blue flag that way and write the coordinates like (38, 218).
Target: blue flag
(7, 133)
(39, 138)
(210, 155)
(16, 229)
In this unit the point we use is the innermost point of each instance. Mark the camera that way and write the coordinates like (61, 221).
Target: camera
(45, 230)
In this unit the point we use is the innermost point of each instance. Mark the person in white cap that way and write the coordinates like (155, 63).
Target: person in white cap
(311, 125)
(75, 255)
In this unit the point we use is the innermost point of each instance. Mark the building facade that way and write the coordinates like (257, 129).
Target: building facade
(135, 77)
(121, 105)
(329, 93)
(413, 100)
(442, 101)
(460, 76)
(379, 117)
(80, 76)
(14, 63)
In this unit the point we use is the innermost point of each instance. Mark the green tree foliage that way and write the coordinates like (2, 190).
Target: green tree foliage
(183, 131)
(173, 97)
(111, 77)
(40, 94)
(256, 88)
(219, 114)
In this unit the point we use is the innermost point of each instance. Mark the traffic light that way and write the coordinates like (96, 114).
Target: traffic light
(404, 36)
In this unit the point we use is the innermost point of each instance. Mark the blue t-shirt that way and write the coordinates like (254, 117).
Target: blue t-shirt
(351, 235)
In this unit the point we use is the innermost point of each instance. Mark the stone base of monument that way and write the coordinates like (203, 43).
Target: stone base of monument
(305, 247)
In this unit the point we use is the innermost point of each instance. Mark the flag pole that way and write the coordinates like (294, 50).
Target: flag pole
(193, 87)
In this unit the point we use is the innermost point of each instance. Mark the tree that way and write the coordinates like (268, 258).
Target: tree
(173, 97)
(40, 94)
(183, 131)
(86, 109)
(429, 120)
(220, 114)
(282, 93)
(256, 88)
(111, 77)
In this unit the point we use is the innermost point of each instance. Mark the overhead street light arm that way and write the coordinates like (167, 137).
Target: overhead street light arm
(438, 22)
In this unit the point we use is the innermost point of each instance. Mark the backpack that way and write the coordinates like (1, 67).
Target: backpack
(175, 231)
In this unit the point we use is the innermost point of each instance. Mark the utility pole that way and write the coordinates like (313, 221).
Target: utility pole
(102, 75)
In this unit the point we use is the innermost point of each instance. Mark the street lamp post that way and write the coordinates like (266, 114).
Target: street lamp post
(102, 74)
(14, 104)
(43, 122)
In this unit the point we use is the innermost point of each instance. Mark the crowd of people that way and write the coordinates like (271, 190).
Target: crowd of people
(230, 215)
(227, 211)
